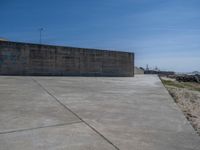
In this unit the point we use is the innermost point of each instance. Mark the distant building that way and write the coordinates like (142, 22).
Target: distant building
(138, 70)
(159, 72)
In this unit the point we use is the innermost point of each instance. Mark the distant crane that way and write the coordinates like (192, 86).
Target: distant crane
(147, 67)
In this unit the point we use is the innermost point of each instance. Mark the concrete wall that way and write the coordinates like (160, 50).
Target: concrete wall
(34, 59)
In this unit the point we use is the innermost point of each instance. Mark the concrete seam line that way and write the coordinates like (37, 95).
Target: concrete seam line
(28, 129)
(66, 107)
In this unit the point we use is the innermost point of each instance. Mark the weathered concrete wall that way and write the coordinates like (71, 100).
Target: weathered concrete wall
(34, 59)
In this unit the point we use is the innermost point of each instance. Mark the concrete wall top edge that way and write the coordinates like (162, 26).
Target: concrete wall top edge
(57, 46)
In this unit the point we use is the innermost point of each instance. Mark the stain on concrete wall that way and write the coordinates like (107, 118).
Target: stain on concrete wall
(34, 59)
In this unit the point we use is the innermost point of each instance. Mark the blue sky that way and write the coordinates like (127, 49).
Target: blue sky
(163, 33)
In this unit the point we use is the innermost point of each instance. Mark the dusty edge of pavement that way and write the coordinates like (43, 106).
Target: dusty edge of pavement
(188, 101)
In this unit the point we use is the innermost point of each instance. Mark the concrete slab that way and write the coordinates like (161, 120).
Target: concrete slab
(115, 113)
(133, 113)
(24, 105)
(68, 137)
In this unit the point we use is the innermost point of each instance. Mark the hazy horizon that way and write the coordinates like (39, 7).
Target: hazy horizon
(161, 33)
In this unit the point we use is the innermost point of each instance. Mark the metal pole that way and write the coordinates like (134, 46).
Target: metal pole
(40, 30)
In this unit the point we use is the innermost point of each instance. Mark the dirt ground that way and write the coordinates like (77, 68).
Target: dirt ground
(187, 97)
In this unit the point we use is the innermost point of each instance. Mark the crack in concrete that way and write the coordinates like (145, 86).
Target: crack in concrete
(28, 129)
(66, 107)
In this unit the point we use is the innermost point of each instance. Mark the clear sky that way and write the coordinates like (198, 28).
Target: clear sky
(163, 33)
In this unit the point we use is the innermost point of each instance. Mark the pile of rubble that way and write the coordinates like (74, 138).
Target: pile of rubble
(188, 78)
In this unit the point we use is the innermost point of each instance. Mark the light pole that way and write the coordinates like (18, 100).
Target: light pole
(40, 30)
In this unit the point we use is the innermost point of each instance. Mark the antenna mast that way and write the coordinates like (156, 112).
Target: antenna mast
(40, 30)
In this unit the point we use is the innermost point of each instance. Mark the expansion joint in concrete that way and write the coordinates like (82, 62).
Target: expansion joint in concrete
(28, 129)
(82, 120)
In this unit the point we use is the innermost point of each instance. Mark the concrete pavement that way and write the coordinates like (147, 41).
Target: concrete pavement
(82, 113)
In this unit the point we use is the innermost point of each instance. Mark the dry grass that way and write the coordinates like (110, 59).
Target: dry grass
(172, 83)
(187, 85)
(192, 86)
